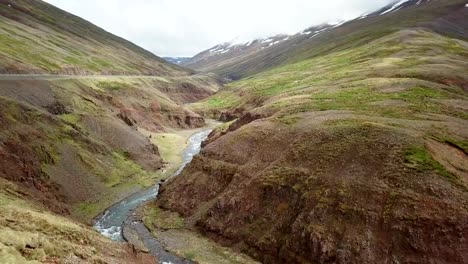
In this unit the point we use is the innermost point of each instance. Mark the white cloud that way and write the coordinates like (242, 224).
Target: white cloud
(186, 27)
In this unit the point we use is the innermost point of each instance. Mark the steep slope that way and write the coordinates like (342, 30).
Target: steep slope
(443, 16)
(73, 142)
(75, 119)
(30, 234)
(36, 37)
(78, 119)
(215, 57)
(355, 155)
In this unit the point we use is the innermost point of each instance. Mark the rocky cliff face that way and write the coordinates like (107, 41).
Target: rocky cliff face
(330, 194)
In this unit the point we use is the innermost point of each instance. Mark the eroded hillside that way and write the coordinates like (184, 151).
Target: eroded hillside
(87, 145)
(355, 156)
(76, 131)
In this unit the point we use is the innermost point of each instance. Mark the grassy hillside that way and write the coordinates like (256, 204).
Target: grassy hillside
(355, 155)
(91, 130)
(30, 234)
(36, 37)
(89, 146)
(72, 146)
(446, 17)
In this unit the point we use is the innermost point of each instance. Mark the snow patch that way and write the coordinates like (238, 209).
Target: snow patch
(214, 49)
(274, 43)
(363, 16)
(314, 35)
(395, 7)
(339, 24)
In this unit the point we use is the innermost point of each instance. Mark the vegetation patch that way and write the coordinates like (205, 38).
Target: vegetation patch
(73, 119)
(163, 219)
(420, 159)
(124, 170)
(112, 85)
(170, 146)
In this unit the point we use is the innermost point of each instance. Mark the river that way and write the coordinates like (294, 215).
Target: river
(111, 223)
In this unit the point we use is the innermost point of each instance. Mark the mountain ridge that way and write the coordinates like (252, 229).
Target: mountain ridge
(239, 65)
(74, 46)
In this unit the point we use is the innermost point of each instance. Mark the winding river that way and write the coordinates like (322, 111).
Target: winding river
(111, 223)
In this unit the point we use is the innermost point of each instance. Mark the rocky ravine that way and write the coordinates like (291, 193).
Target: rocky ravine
(322, 191)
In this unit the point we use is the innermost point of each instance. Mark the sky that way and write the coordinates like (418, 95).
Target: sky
(183, 28)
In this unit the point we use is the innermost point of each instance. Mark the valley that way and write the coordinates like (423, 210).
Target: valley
(346, 142)
(345, 146)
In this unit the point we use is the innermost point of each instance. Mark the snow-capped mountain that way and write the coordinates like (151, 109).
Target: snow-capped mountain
(236, 60)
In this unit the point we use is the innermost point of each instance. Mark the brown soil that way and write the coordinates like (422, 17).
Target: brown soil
(453, 159)
(322, 193)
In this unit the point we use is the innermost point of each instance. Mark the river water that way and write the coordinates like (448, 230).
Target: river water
(110, 224)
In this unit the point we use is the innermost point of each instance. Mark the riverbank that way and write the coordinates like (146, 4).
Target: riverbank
(118, 222)
(181, 237)
(166, 231)
(172, 144)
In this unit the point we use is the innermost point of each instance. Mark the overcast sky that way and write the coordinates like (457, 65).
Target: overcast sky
(186, 27)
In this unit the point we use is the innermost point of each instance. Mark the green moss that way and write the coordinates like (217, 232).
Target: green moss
(88, 209)
(124, 170)
(163, 219)
(86, 106)
(420, 159)
(113, 85)
(191, 255)
(364, 99)
(222, 101)
(103, 62)
(71, 118)
(454, 47)
(47, 156)
(27, 51)
(73, 60)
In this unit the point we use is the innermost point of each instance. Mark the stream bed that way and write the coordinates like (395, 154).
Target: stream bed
(111, 223)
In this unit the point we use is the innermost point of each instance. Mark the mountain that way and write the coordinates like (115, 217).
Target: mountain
(177, 60)
(78, 133)
(443, 17)
(226, 53)
(350, 147)
(39, 38)
(212, 58)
